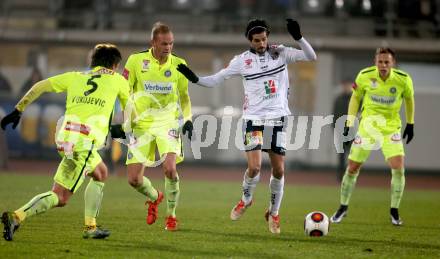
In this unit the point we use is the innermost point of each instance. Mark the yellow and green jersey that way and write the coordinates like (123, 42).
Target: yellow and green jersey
(90, 100)
(159, 92)
(383, 97)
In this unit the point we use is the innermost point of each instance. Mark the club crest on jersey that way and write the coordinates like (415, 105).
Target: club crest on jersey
(145, 64)
(393, 90)
(167, 73)
(373, 82)
(248, 63)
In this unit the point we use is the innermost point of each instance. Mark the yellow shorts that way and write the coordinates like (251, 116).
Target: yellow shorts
(73, 169)
(390, 143)
(166, 138)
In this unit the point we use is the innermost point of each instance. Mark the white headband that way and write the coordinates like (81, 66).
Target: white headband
(253, 28)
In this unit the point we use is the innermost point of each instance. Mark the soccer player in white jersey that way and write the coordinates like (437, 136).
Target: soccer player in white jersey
(263, 69)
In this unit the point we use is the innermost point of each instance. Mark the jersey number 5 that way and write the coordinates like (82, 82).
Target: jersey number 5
(93, 84)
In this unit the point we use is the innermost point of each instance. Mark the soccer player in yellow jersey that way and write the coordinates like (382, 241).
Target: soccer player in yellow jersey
(160, 96)
(90, 100)
(382, 88)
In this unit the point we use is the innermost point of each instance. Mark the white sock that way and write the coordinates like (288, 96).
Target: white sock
(276, 194)
(249, 185)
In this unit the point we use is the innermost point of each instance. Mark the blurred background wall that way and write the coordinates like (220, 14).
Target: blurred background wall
(42, 38)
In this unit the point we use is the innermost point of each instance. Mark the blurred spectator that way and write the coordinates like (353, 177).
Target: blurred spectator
(340, 108)
(5, 86)
(34, 77)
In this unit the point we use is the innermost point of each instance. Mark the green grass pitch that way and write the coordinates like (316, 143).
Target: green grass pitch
(207, 232)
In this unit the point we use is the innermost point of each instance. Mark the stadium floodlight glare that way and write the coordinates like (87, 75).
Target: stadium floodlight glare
(313, 3)
(366, 5)
(339, 4)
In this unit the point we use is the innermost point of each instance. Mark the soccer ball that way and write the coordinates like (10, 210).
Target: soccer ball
(316, 224)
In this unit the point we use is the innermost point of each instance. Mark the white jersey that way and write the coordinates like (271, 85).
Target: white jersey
(265, 79)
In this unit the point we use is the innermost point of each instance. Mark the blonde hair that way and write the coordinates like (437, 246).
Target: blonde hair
(159, 28)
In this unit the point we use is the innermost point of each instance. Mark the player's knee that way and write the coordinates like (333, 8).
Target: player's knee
(62, 201)
(278, 172)
(353, 167)
(134, 181)
(254, 170)
(170, 171)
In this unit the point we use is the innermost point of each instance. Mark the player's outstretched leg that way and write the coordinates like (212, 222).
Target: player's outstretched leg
(347, 187)
(397, 187)
(92, 199)
(95, 232)
(395, 218)
(172, 189)
(276, 195)
(248, 185)
(153, 208)
(339, 214)
(273, 221)
(10, 225)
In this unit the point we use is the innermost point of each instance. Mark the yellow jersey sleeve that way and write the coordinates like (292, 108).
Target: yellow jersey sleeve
(359, 86)
(33, 93)
(409, 89)
(408, 95)
(61, 82)
(185, 102)
(130, 72)
(124, 92)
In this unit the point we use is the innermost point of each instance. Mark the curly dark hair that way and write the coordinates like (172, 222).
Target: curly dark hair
(256, 26)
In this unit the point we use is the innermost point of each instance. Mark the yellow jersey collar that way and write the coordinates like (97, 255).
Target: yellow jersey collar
(153, 59)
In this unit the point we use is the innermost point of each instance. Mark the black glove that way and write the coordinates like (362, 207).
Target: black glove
(293, 29)
(188, 73)
(348, 133)
(409, 131)
(116, 131)
(188, 128)
(13, 117)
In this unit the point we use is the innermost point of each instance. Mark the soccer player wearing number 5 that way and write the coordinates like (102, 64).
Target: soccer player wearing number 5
(160, 96)
(382, 88)
(266, 87)
(90, 100)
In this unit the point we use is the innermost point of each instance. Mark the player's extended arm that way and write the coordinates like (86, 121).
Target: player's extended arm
(35, 92)
(409, 112)
(212, 80)
(353, 108)
(185, 104)
(308, 53)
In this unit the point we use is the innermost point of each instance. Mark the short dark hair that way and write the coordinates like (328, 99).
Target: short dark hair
(105, 55)
(383, 50)
(256, 26)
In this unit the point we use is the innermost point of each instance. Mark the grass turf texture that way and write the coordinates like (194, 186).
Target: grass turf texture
(207, 232)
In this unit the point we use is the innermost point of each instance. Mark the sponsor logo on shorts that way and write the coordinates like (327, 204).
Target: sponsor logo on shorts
(254, 138)
(396, 137)
(269, 123)
(357, 140)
